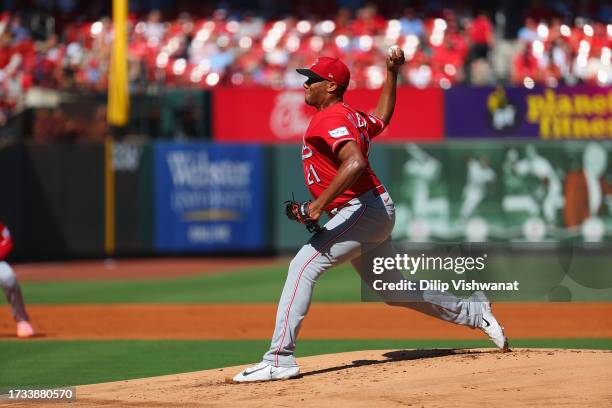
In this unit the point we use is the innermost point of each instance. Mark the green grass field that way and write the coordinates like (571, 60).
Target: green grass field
(340, 284)
(52, 363)
(264, 284)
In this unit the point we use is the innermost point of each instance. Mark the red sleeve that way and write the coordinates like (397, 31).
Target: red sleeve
(335, 131)
(6, 242)
(374, 124)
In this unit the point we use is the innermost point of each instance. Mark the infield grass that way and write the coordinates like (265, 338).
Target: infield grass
(55, 363)
(340, 284)
(264, 285)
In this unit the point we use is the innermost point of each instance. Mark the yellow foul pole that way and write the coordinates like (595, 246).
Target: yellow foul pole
(118, 95)
(118, 107)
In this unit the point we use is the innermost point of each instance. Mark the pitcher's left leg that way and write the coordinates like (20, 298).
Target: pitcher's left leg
(333, 245)
(474, 312)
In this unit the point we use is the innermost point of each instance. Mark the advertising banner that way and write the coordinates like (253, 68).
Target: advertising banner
(581, 112)
(503, 192)
(270, 116)
(208, 197)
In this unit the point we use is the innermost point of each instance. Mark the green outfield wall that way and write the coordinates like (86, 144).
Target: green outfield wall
(55, 197)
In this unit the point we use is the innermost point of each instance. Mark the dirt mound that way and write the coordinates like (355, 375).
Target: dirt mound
(387, 378)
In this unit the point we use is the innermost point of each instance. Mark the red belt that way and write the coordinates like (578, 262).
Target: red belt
(380, 190)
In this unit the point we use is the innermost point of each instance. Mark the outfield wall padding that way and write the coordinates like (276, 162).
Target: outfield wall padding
(63, 200)
(53, 195)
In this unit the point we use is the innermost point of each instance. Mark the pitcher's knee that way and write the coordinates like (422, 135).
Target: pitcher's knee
(308, 265)
(7, 276)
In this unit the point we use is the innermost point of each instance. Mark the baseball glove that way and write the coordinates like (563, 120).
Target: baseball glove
(297, 211)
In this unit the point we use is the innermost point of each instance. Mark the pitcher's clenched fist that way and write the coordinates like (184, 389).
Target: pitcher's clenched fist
(395, 58)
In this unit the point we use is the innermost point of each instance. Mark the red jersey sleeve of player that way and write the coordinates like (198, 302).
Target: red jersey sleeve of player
(374, 124)
(6, 242)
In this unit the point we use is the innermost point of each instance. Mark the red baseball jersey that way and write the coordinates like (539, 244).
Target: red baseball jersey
(6, 242)
(329, 129)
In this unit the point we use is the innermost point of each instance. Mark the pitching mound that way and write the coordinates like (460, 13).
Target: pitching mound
(386, 378)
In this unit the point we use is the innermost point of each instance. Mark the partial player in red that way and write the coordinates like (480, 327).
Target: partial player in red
(11, 287)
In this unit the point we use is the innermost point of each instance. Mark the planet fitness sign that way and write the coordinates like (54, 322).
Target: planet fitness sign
(548, 113)
(571, 113)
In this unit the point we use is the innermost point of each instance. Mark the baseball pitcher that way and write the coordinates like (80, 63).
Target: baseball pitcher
(339, 177)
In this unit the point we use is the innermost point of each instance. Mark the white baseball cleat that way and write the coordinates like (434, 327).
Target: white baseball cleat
(266, 372)
(492, 328)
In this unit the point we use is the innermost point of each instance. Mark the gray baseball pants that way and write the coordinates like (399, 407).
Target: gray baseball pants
(366, 222)
(12, 291)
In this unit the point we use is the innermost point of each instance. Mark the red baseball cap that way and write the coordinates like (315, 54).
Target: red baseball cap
(328, 69)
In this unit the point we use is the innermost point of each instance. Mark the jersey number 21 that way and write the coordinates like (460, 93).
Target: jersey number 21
(312, 173)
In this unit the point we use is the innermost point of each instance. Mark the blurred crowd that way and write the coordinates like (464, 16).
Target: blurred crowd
(555, 53)
(446, 47)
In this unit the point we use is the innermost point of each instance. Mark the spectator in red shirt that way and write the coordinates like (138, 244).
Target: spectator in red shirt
(480, 35)
(524, 65)
(481, 39)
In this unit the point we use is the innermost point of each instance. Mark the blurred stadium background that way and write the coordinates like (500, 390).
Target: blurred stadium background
(502, 134)
(505, 76)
